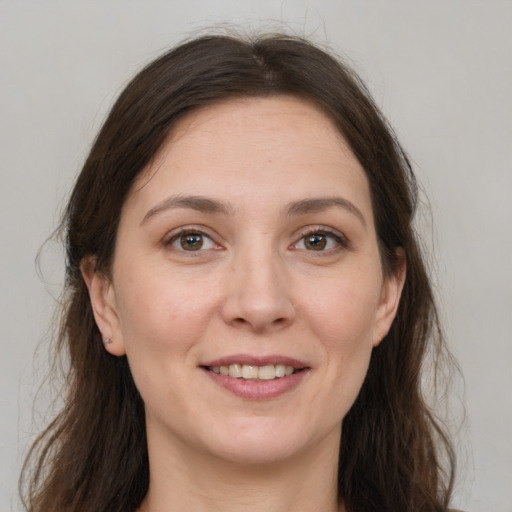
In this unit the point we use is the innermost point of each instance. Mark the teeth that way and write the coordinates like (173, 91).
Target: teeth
(247, 371)
(267, 372)
(280, 370)
(235, 370)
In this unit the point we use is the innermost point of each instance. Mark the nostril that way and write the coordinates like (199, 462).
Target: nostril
(240, 321)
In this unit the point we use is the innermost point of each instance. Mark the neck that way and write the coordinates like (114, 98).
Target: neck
(185, 480)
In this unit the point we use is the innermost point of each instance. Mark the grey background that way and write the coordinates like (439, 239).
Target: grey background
(440, 70)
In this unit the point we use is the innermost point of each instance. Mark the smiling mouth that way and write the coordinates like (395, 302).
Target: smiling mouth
(255, 373)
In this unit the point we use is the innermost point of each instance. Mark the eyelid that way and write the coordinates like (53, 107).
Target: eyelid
(175, 234)
(341, 239)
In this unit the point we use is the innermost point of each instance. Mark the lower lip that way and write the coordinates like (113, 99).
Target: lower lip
(257, 389)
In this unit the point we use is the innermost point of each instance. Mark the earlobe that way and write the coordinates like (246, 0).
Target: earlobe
(101, 295)
(390, 298)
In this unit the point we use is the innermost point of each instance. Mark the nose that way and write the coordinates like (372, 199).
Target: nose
(258, 297)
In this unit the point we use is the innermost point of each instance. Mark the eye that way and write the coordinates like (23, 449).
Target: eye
(320, 241)
(191, 241)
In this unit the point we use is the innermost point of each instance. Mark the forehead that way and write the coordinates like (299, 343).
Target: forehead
(267, 121)
(273, 146)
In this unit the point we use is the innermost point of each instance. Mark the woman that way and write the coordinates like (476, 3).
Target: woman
(248, 310)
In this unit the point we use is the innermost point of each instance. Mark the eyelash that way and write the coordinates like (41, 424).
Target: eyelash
(340, 240)
(189, 232)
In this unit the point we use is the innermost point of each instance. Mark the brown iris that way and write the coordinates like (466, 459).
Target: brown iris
(191, 241)
(315, 241)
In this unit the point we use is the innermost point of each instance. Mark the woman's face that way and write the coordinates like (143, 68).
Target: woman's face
(245, 252)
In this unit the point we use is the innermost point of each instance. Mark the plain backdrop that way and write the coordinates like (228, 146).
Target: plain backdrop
(440, 70)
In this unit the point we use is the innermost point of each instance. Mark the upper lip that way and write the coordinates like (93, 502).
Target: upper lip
(257, 361)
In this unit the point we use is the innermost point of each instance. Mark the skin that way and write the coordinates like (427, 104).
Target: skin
(255, 287)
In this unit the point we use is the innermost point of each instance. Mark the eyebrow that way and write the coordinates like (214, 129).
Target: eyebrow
(198, 203)
(212, 206)
(315, 205)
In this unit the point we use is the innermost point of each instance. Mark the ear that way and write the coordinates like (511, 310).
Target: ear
(101, 294)
(390, 297)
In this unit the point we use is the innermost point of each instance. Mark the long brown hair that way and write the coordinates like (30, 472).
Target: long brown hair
(93, 456)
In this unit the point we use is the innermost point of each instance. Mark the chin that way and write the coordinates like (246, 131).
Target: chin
(258, 453)
(265, 443)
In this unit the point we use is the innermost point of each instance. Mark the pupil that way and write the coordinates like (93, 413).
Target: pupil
(316, 242)
(192, 242)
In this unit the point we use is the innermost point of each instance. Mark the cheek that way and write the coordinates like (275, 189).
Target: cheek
(162, 322)
(344, 313)
(343, 319)
(162, 309)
